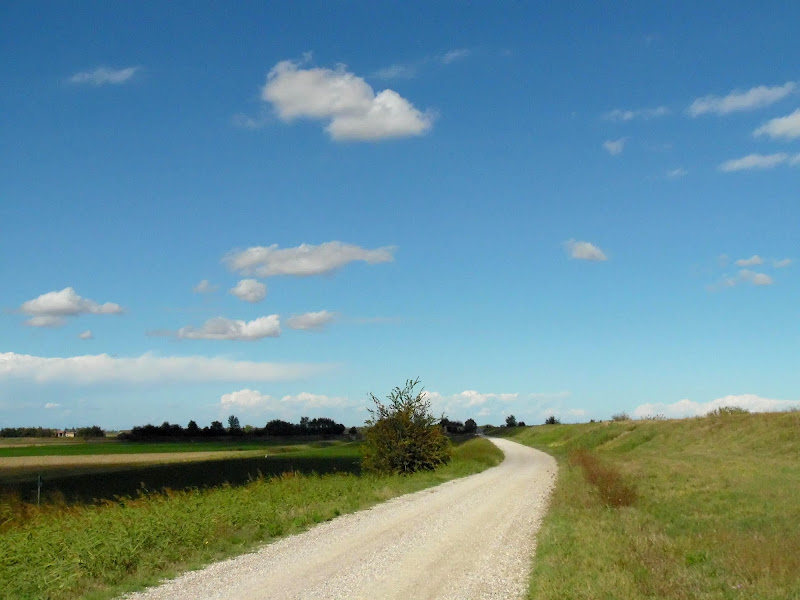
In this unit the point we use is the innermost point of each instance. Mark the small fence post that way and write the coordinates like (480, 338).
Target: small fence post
(38, 490)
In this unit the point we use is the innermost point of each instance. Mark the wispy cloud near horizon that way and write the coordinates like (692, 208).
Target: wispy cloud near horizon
(759, 162)
(104, 75)
(615, 147)
(690, 408)
(787, 127)
(621, 115)
(148, 368)
(584, 251)
(736, 101)
(303, 260)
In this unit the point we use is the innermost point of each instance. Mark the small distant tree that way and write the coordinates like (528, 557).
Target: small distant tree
(521, 424)
(233, 424)
(90, 432)
(403, 436)
(217, 428)
(511, 421)
(352, 430)
(621, 416)
(470, 426)
(192, 429)
(552, 420)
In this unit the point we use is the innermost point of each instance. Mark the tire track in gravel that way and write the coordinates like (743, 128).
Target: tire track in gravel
(467, 538)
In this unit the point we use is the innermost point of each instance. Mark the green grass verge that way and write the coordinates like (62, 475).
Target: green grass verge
(101, 551)
(716, 514)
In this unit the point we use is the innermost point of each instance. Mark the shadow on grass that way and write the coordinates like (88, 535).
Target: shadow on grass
(89, 487)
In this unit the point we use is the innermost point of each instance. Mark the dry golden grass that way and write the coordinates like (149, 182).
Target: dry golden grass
(612, 487)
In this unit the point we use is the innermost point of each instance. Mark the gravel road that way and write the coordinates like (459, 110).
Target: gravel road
(468, 538)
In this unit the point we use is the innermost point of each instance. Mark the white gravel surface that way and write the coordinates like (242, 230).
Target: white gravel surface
(469, 538)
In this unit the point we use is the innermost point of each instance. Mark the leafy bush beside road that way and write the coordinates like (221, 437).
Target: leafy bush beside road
(402, 435)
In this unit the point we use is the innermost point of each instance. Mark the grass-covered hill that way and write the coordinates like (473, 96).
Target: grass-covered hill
(693, 508)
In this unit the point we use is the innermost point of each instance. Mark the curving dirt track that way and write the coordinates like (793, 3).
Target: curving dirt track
(468, 538)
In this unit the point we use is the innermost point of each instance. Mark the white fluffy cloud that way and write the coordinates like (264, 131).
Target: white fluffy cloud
(495, 406)
(469, 403)
(615, 147)
(753, 98)
(104, 75)
(249, 290)
(245, 399)
(86, 335)
(779, 264)
(744, 276)
(474, 398)
(311, 320)
(759, 161)
(750, 262)
(51, 405)
(690, 408)
(675, 173)
(584, 251)
(640, 113)
(204, 287)
(45, 321)
(748, 276)
(348, 103)
(147, 368)
(220, 328)
(49, 310)
(787, 127)
(304, 260)
(290, 406)
(307, 400)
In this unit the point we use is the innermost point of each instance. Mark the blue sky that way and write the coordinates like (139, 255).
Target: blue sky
(536, 210)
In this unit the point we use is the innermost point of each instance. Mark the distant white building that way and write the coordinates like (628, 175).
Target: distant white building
(64, 433)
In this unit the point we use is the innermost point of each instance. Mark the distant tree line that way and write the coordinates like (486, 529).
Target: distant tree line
(317, 427)
(21, 432)
(46, 432)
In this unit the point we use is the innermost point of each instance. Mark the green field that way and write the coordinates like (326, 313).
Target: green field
(101, 550)
(716, 513)
(85, 482)
(91, 447)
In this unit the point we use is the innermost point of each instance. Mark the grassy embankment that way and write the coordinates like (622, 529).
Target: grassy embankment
(715, 510)
(101, 551)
